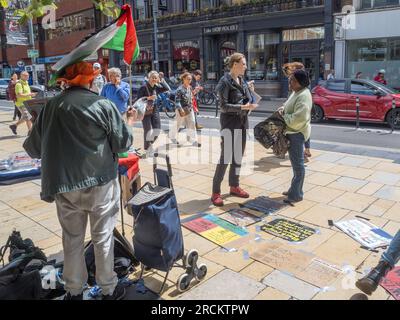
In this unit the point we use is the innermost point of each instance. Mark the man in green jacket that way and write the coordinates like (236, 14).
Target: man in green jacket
(78, 135)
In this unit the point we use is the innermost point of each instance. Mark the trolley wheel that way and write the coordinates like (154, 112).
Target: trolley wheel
(191, 258)
(202, 272)
(183, 283)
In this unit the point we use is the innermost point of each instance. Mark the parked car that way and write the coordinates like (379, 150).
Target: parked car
(336, 99)
(3, 87)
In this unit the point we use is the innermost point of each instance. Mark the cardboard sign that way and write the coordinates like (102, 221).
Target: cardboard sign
(366, 233)
(303, 265)
(392, 283)
(288, 230)
(239, 217)
(320, 273)
(282, 256)
(264, 205)
(215, 229)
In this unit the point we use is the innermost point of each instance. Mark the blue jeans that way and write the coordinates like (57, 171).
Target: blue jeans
(392, 254)
(296, 156)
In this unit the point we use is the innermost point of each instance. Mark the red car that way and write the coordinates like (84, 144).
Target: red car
(336, 99)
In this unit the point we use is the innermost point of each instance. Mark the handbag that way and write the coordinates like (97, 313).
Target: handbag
(184, 111)
(149, 105)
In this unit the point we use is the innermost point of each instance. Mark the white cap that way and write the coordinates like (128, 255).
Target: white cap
(382, 71)
(97, 65)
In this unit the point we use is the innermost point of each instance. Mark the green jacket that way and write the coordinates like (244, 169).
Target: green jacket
(297, 113)
(77, 135)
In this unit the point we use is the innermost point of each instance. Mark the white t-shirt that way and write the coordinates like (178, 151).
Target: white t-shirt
(98, 83)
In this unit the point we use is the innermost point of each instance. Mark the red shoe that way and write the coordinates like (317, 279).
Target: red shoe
(239, 192)
(217, 200)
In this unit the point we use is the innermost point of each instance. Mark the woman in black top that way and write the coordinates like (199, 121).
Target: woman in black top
(235, 103)
(151, 121)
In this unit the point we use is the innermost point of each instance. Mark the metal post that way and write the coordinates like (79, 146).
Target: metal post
(155, 50)
(32, 43)
(358, 112)
(393, 108)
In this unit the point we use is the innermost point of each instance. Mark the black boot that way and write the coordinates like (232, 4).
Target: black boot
(370, 282)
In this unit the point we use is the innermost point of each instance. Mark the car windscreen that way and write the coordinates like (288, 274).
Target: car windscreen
(385, 88)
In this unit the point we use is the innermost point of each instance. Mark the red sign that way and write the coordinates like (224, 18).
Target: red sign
(392, 283)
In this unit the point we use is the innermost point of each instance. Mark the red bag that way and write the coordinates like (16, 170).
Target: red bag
(194, 103)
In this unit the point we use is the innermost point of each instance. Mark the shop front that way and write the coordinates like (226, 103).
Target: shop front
(186, 56)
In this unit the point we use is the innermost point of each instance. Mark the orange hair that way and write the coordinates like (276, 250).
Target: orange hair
(79, 74)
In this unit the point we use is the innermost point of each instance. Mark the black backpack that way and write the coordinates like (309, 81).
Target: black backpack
(17, 282)
(124, 260)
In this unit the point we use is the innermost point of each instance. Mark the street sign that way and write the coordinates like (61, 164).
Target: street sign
(33, 53)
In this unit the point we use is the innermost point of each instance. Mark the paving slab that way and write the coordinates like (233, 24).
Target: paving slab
(227, 284)
(384, 178)
(370, 188)
(290, 285)
(323, 194)
(379, 207)
(388, 193)
(272, 294)
(330, 157)
(321, 213)
(348, 184)
(393, 213)
(322, 179)
(353, 201)
(352, 161)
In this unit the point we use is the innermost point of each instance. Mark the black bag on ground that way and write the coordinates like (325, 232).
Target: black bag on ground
(19, 279)
(24, 286)
(124, 260)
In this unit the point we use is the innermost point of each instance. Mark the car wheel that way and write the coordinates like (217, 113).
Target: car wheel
(393, 118)
(317, 114)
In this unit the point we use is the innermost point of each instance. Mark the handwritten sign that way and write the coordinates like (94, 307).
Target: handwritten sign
(392, 282)
(239, 217)
(303, 265)
(288, 230)
(365, 233)
(215, 229)
(264, 205)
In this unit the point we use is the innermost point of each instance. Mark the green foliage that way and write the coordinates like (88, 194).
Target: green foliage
(36, 8)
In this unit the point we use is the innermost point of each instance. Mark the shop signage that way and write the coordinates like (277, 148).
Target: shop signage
(189, 44)
(33, 53)
(305, 47)
(221, 29)
(49, 59)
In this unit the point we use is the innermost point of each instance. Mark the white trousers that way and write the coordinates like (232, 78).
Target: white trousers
(101, 205)
(189, 122)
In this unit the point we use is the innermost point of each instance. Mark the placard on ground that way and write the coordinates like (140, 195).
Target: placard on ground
(365, 233)
(215, 229)
(392, 283)
(264, 205)
(288, 230)
(303, 265)
(240, 217)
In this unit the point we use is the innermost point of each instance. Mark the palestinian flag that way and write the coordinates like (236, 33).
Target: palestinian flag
(119, 36)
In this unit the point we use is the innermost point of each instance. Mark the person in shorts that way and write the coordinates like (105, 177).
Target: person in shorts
(23, 93)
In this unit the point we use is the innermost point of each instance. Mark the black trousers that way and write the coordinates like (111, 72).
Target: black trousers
(151, 128)
(233, 144)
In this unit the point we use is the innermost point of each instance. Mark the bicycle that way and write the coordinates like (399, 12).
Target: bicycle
(166, 104)
(207, 97)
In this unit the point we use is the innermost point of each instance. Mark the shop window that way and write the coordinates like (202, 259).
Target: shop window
(368, 4)
(303, 34)
(144, 62)
(186, 56)
(371, 55)
(262, 56)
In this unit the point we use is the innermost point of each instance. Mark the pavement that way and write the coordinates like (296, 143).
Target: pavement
(338, 185)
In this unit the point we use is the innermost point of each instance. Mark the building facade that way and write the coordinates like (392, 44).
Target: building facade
(75, 19)
(201, 34)
(367, 39)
